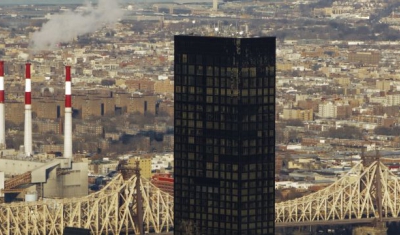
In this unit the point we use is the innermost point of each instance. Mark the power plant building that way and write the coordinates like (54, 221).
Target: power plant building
(44, 174)
(224, 151)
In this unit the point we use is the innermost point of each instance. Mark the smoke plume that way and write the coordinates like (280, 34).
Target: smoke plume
(66, 26)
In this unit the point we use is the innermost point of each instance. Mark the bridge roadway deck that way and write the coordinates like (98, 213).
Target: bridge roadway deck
(335, 222)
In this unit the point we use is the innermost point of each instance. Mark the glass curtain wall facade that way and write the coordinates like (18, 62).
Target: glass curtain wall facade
(224, 150)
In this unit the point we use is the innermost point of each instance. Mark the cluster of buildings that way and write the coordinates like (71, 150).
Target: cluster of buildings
(127, 89)
(352, 10)
(126, 68)
(343, 81)
(331, 87)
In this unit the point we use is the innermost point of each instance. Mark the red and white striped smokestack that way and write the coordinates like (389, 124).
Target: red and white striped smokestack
(2, 109)
(28, 112)
(68, 114)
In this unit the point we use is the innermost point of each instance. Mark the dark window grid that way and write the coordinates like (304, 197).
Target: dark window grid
(191, 58)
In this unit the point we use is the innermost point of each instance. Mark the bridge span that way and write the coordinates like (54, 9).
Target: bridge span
(366, 194)
(112, 210)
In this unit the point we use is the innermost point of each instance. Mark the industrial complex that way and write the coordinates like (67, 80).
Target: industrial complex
(26, 175)
(55, 194)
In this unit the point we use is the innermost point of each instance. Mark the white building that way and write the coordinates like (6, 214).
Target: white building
(215, 5)
(379, 100)
(393, 100)
(160, 162)
(327, 110)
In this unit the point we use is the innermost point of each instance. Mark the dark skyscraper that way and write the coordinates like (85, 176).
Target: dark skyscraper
(224, 135)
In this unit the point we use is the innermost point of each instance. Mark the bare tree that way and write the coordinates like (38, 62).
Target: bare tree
(189, 227)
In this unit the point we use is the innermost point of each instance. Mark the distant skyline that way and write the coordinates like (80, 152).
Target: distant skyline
(64, 2)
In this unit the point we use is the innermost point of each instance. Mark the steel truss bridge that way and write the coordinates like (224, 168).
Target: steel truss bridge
(365, 194)
(113, 210)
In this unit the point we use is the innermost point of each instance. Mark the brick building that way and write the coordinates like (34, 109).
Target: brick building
(140, 85)
(14, 112)
(48, 126)
(48, 148)
(164, 86)
(365, 57)
(166, 107)
(91, 107)
(94, 129)
(46, 108)
(304, 115)
(164, 181)
(142, 104)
